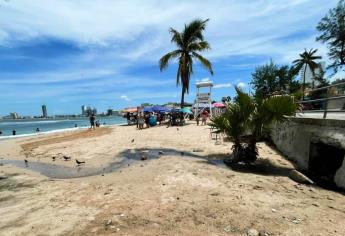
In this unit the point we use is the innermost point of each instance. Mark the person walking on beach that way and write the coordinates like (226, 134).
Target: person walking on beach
(197, 119)
(141, 121)
(92, 121)
(204, 117)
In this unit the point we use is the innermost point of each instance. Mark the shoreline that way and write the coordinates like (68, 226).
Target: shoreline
(56, 131)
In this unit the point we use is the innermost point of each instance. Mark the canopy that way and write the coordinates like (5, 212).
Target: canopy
(175, 110)
(186, 110)
(130, 110)
(218, 105)
(160, 109)
(148, 109)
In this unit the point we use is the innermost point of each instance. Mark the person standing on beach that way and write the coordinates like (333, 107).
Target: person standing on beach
(197, 119)
(92, 121)
(204, 117)
(141, 121)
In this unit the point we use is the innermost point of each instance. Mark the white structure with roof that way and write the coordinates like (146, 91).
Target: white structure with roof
(203, 99)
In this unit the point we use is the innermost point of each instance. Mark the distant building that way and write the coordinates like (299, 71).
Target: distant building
(14, 115)
(88, 111)
(44, 111)
(83, 111)
(116, 113)
(309, 74)
(109, 112)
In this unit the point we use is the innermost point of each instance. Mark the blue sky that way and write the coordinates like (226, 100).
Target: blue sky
(105, 53)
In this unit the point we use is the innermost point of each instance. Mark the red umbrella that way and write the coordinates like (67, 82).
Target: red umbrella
(218, 105)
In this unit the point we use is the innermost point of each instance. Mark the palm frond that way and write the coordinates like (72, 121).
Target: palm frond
(206, 63)
(164, 61)
(176, 37)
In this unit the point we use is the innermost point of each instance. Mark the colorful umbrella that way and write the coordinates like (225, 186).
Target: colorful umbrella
(218, 105)
(186, 110)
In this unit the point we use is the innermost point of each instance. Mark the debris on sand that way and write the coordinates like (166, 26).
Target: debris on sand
(299, 177)
(252, 232)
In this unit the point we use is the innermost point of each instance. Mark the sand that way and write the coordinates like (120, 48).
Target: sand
(183, 192)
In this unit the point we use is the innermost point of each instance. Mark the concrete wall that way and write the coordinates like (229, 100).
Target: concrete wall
(293, 138)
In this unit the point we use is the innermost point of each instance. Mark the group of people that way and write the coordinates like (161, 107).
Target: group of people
(149, 119)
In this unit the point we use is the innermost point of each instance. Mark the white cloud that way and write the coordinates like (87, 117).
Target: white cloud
(241, 85)
(124, 97)
(141, 27)
(226, 85)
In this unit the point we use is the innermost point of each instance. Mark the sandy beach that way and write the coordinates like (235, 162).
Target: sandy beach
(180, 188)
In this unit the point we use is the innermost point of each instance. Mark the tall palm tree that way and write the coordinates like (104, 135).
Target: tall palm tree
(189, 43)
(307, 59)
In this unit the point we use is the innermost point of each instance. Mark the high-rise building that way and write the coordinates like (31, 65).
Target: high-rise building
(88, 111)
(44, 111)
(14, 115)
(309, 74)
(83, 112)
(109, 112)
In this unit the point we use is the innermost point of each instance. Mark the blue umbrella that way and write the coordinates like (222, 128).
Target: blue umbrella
(160, 109)
(148, 109)
(175, 110)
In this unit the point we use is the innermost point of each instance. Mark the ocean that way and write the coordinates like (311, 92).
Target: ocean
(28, 127)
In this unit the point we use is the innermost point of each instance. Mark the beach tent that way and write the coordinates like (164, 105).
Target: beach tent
(130, 110)
(174, 110)
(160, 109)
(218, 105)
(186, 110)
(148, 109)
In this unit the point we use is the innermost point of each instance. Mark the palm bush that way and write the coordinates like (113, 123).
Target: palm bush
(246, 120)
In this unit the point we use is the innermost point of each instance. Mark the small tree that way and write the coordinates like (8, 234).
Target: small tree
(270, 78)
(332, 32)
(245, 120)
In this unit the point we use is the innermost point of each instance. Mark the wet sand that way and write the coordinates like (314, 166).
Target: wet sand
(180, 188)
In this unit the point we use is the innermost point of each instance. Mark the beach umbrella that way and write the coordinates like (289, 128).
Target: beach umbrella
(218, 105)
(173, 110)
(160, 109)
(148, 109)
(186, 110)
(131, 110)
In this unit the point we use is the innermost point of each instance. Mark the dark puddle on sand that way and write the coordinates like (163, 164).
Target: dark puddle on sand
(125, 159)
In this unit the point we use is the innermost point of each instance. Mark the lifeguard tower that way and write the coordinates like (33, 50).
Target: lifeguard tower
(203, 99)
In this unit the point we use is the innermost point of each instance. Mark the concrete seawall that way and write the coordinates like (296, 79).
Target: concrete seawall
(315, 145)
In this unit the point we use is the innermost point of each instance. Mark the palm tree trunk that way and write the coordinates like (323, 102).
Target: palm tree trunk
(342, 60)
(182, 97)
(303, 84)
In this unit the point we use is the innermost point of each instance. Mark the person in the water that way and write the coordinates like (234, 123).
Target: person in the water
(38, 130)
(14, 132)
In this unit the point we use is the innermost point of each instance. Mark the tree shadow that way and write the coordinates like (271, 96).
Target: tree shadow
(260, 166)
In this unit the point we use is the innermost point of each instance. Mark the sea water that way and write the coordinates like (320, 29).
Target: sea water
(28, 126)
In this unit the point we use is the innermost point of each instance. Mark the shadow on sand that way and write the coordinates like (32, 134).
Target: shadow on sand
(139, 155)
